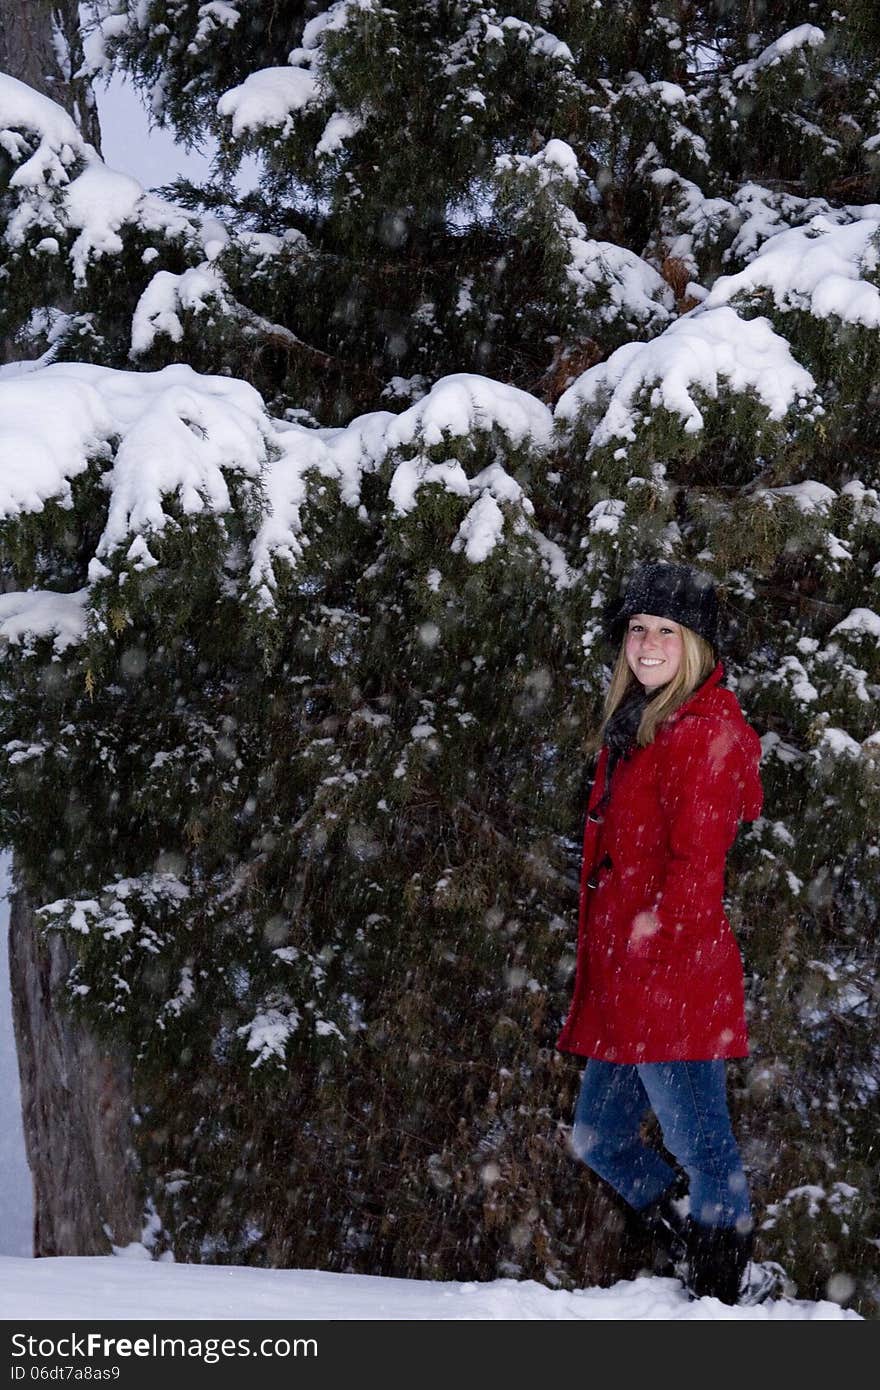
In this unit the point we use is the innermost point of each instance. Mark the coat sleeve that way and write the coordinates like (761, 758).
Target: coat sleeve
(701, 792)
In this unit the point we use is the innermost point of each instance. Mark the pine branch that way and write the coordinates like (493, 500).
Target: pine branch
(276, 335)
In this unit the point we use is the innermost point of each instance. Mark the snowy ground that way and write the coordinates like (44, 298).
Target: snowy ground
(108, 1287)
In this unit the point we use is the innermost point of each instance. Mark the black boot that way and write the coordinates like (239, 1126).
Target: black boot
(718, 1257)
(665, 1227)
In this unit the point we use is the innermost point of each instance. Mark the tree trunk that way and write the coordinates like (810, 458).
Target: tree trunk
(76, 1105)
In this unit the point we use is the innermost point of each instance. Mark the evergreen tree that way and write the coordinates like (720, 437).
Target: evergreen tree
(303, 601)
(41, 43)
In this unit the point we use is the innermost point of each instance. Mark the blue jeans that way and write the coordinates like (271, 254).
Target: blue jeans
(690, 1102)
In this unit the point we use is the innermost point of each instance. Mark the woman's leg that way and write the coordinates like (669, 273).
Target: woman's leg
(605, 1135)
(690, 1101)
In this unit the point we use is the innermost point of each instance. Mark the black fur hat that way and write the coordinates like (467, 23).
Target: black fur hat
(679, 592)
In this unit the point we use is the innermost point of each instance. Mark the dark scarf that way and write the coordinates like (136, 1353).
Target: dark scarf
(621, 730)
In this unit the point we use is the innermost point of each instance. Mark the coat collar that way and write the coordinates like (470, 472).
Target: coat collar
(694, 700)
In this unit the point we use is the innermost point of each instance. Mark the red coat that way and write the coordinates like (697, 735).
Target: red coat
(659, 974)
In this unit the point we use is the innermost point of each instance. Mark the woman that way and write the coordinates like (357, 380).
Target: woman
(658, 1000)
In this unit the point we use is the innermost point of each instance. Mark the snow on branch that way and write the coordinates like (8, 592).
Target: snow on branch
(334, 18)
(671, 108)
(267, 99)
(157, 312)
(171, 433)
(270, 98)
(609, 280)
(795, 41)
(484, 32)
(98, 203)
(180, 436)
(555, 163)
(50, 428)
(691, 221)
(539, 41)
(622, 284)
(819, 268)
(810, 497)
(862, 621)
(463, 403)
(58, 142)
(66, 191)
(708, 352)
(267, 1034)
(173, 441)
(765, 212)
(27, 616)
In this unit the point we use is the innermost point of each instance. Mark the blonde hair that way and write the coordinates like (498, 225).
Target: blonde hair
(697, 662)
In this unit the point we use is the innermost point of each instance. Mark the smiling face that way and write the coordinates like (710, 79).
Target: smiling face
(654, 649)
